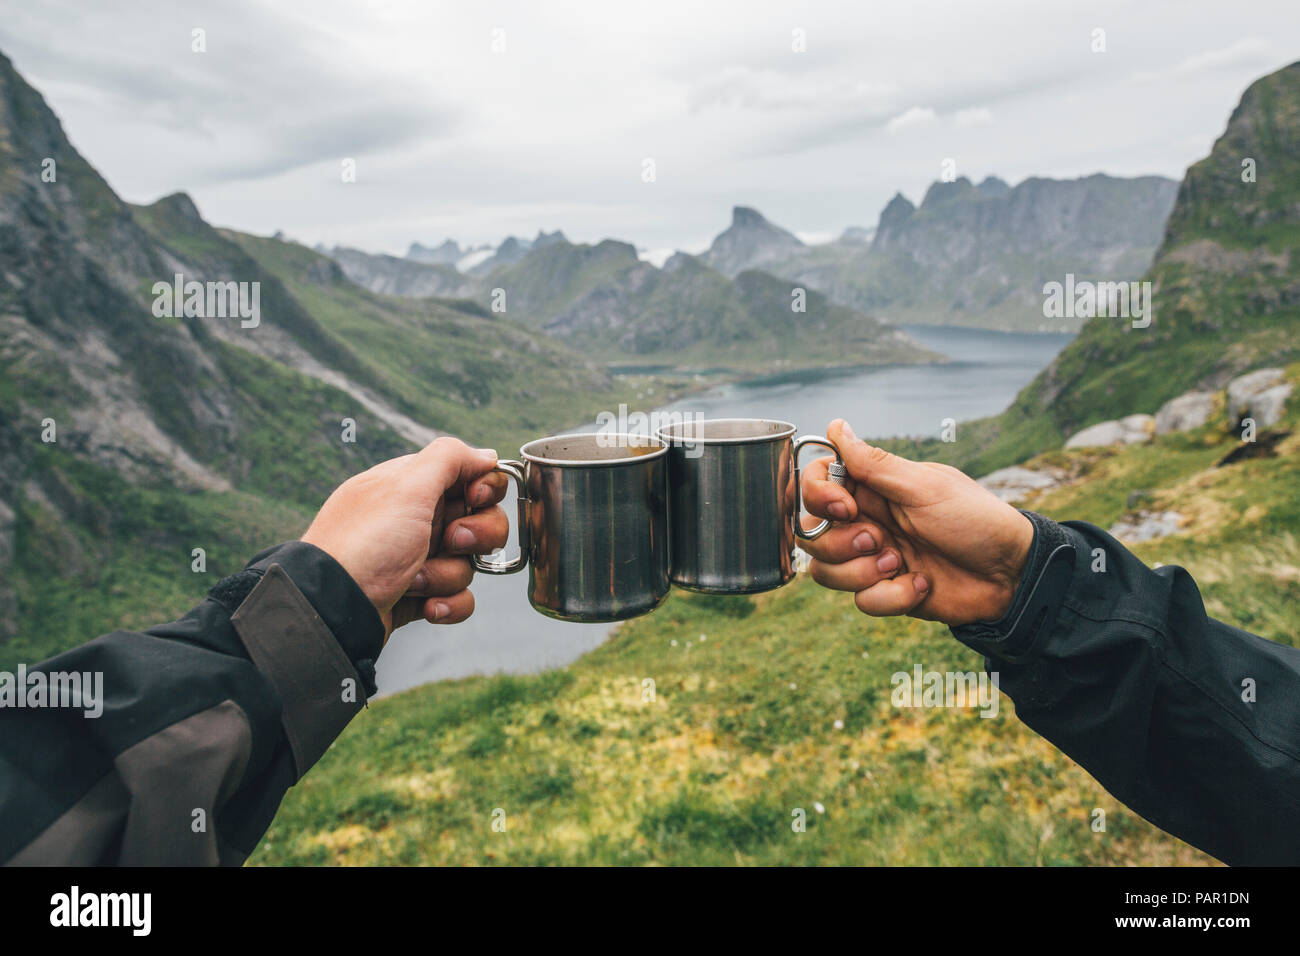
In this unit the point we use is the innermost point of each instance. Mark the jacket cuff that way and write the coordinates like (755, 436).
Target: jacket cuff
(1043, 585)
(339, 600)
(313, 633)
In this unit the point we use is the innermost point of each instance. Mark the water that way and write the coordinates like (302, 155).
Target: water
(986, 372)
(507, 635)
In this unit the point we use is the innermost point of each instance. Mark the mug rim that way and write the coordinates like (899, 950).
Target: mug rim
(786, 430)
(593, 462)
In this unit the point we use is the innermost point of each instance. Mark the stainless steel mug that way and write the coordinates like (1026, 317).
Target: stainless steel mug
(593, 525)
(734, 503)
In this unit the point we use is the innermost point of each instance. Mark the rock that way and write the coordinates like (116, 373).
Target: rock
(1016, 483)
(1103, 433)
(1146, 525)
(1243, 388)
(1130, 430)
(1266, 407)
(1138, 428)
(1187, 411)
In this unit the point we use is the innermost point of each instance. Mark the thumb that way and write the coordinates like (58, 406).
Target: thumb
(895, 478)
(446, 462)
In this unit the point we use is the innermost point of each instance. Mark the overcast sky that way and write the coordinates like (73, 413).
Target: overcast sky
(453, 138)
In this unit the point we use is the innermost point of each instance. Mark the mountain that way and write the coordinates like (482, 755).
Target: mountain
(447, 254)
(392, 275)
(604, 298)
(750, 242)
(134, 430)
(512, 250)
(743, 732)
(1225, 285)
(979, 255)
(858, 234)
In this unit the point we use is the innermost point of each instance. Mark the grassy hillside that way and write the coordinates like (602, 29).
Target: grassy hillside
(1226, 286)
(743, 730)
(603, 300)
(451, 363)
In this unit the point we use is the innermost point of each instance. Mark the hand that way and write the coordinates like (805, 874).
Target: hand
(914, 538)
(404, 530)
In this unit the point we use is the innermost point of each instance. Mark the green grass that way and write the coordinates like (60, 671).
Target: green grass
(741, 733)
(448, 364)
(124, 561)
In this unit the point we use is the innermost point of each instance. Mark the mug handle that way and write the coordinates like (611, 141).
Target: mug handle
(515, 470)
(835, 474)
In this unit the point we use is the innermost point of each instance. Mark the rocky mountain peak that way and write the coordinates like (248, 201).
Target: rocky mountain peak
(941, 192)
(896, 212)
(446, 254)
(1248, 188)
(181, 206)
(750, 241)
(994, 187)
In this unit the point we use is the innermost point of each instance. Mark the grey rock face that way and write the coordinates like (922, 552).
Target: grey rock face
(750, 242)
(1015, 484)
(1266, 408)
(446, 254)
(1130, 430)
(1146, 525)
(1241, 388)
(1260, 395)
(1187, 411)
(393, 276)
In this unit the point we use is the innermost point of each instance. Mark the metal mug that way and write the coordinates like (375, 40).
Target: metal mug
(734, 502)
(593, 525)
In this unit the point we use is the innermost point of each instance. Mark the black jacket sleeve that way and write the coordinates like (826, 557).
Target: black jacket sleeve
(175, 745)
(1192, 723)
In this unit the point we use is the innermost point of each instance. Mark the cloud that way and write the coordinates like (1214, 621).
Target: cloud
(1249, 51)
(975, 116)
(916, 116)
(256, 103)
(768, 89)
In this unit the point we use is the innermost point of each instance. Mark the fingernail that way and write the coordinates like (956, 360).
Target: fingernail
(440, 611)
(887, 562)
(462, 538)
(864, 542)
(848, 432)
(837, 509)
(420, 582)
(921, 584)
(481, 494)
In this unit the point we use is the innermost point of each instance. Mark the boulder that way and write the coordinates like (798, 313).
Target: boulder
(1138, 428)
(1187, 411)
(1242, 389)
(1130, 430)
(1016, 483)
(1266, 407)
(1146, 525)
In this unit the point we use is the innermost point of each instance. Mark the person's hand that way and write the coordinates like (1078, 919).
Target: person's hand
(404, 530)
(914, 538)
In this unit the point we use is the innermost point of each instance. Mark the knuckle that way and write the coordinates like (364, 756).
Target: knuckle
(446, 444)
